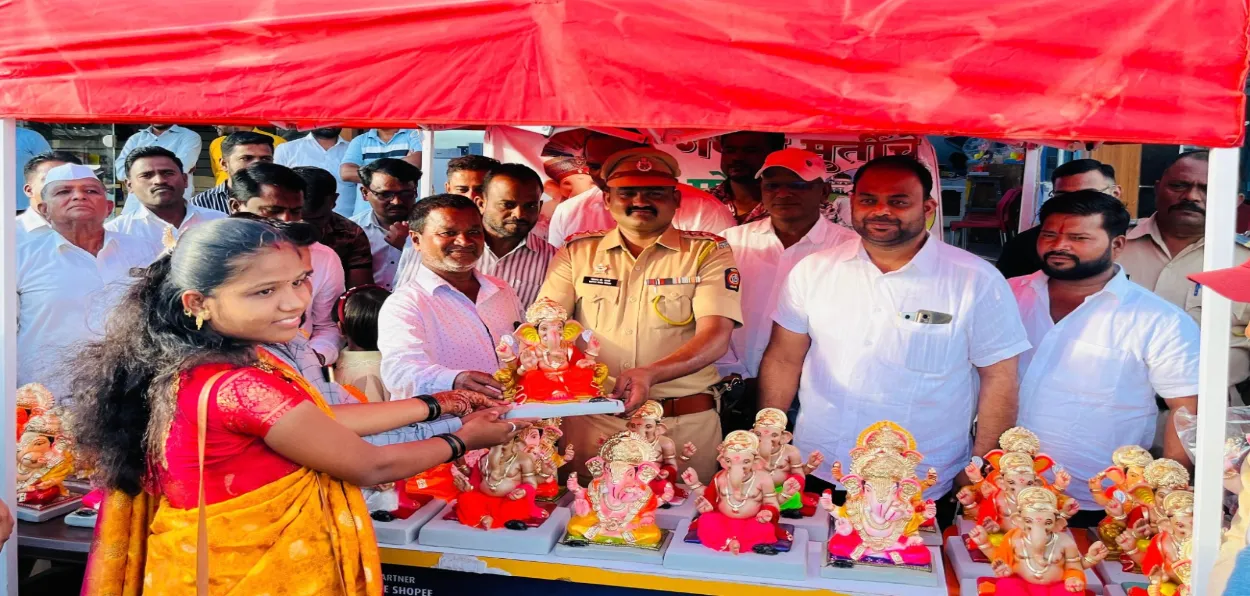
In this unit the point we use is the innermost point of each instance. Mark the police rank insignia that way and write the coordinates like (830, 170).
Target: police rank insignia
(733, 279)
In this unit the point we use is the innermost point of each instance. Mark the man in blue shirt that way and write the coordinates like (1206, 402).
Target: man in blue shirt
(374, 145)
(29, 144)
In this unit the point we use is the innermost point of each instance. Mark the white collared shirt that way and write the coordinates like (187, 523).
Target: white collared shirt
(307, 151)
(434, 332)
(867, 363)
(30, 222)
(1089, 384)
(699, 212)
(385, 256)
(764, 264)
(184, 143)
(324, 336)
(65, 296)
(142, 223)
(524, 268)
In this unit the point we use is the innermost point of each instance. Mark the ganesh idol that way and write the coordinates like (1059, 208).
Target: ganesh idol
(1132, 502)
(33, 400)
(540, 443)
(499, 491)
(879, 522)
(1036, 557)
(542, 362)
(1166, 559)
(739, 507)
(646, 423)
(782, 460)
(44, 460)
(617, 507)
(1016, 465)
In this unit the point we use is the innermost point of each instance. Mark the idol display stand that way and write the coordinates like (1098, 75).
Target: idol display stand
(966, 569)
(574, 549)
(817, 526)
(404, 531)
(889, 574)
(669, 519)
(692, 556)
(446, 532)
(1112, 573)
(43, 513)
(541, 410)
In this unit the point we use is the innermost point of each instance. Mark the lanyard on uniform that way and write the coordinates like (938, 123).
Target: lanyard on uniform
(671, 281)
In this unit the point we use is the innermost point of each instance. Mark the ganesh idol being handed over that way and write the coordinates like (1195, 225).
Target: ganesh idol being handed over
(618, 507)
(1036, 557)
(782, 460)
(500, 489)
(878, 525)
(646, 423)
(542, 362)
(738, 509)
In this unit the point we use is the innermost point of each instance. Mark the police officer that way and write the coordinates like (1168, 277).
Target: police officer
(662, 301)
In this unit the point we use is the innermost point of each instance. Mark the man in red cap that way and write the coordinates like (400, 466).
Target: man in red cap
(793, 189)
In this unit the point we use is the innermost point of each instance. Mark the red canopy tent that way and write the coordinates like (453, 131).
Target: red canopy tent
(1159, 71)
(1165, 71)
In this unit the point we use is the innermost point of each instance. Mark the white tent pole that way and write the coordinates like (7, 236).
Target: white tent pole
(8, 345)
(1213, 368)
(427, 163)
(1028, 190)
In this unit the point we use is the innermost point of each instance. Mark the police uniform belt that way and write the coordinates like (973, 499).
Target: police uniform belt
(692, 404)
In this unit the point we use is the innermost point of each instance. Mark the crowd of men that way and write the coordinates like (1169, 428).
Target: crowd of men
(875, 320)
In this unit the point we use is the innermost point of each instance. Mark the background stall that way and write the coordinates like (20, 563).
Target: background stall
(1166, 71)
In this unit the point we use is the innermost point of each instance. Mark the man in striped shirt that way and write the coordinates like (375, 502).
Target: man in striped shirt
(239, 150)
(514, 253)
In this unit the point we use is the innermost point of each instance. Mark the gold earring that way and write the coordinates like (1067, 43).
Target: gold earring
(199, 320)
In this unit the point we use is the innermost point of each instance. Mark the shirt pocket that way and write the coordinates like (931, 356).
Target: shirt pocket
(1088, 369)
(671, 306)
(599, 303)
(923, 347)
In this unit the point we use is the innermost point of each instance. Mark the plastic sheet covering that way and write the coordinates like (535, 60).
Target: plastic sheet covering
(1165, 71)
(1236, 447)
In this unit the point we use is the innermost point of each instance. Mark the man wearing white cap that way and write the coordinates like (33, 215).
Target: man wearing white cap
(32, 173)
(68, 281)
(793, 189)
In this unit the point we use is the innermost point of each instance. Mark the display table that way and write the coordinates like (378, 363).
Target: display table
(53, 540)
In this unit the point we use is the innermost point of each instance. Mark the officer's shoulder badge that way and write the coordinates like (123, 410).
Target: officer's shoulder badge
(587, 234)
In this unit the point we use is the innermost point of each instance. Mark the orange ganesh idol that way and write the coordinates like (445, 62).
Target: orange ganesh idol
(542, 362)
(500, 490)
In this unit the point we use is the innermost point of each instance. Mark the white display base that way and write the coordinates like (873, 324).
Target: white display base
(82, 521)
(30, 514)
(534, 541)
(933, 538)
(966, 569)
(1112, 573)
(403, 531)
(1114, 590)
(817, 525)
(968, 587)
(615, 553)
(935, 576)
(582, 408)
(668, 519)
(696, 557)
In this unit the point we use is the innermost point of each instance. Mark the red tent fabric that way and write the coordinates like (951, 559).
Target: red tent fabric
(1149, 71)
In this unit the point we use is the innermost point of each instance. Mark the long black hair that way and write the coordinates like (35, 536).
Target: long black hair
(124, 386)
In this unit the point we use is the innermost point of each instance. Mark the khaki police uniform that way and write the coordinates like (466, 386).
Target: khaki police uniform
(643, 309)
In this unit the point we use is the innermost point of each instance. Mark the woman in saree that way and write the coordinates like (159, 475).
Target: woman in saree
(226, 471)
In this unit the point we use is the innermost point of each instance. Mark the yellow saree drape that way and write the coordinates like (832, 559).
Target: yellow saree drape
(306, 533)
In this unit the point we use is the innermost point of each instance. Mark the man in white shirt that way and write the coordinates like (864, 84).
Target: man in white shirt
(271, 191)
(466, 176)
(186, 144)
(588, 212)
(896, 326)
(378, 143)
(155, 179)
(33, 174)
(322, 148)
(441, 330)
(1103, 346)
(70, 277)
(793, 188)
(513, 252)
(390, 187)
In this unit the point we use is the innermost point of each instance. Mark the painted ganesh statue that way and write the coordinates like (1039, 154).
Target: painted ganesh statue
(1018, 464)
(1134, 498)
(44, 456)
(618, 507)
(542, 362)
(878, 525)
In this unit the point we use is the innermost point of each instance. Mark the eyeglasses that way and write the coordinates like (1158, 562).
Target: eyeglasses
(1059, 193)
(799, 186)
(388, 196)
